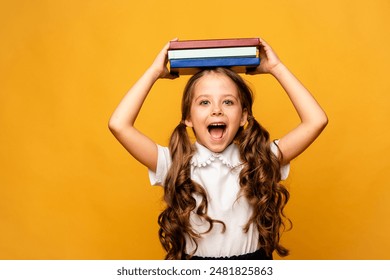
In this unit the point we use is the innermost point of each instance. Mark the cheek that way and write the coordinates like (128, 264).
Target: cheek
(237, 114)
(199, 113)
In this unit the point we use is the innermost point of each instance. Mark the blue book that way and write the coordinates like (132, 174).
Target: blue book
(191, 66)
(215, 62)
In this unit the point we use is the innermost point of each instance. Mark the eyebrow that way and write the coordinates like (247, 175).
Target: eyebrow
(209, 95)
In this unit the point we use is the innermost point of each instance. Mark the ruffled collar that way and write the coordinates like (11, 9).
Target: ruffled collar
(203, 156)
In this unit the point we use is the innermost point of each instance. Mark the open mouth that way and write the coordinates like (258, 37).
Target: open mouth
(216, 130)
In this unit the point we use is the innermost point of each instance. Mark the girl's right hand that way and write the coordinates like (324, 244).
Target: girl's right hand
(159, 65)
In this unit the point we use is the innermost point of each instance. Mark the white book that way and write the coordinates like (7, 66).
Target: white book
(213, 52)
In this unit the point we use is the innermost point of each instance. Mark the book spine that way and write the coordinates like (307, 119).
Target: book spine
(213, 52)
(219, 43)
(214, 62)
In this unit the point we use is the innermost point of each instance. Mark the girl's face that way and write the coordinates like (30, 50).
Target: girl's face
(216, 112)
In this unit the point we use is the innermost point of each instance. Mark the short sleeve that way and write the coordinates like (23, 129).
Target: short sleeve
(285, 169)
(164, 161)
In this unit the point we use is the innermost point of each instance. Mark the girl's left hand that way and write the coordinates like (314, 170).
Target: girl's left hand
(159, 65)
(269, 61)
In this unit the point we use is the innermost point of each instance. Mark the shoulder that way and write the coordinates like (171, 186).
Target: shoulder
(284, 169)
(275, 148)
(164, 162)
(163, 151)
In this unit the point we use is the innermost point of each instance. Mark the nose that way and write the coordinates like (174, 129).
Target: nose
(216, 111)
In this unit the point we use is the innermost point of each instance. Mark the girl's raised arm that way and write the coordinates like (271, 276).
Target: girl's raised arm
(122, 120)
(313, 117)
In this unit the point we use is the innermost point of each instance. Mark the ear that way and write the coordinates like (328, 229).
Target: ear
(244, 117)
(188, 123)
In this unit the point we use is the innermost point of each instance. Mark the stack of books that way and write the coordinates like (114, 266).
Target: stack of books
(190, 56)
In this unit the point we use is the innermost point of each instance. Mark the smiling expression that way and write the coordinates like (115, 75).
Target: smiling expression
(216, 112)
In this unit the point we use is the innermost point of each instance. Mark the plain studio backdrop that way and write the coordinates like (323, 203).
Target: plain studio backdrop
(68, 190)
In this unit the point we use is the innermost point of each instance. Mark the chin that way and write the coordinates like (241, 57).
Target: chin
(217, 147)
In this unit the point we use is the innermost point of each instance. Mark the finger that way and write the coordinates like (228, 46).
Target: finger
(174, 76)
(264, 45)
(170, 75)
(251, 71)
(263, 42)
(173, 40)
(166, 47)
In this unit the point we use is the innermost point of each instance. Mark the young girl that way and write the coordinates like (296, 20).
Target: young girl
(223, 193)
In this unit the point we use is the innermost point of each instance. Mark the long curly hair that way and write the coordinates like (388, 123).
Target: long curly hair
(259, 180)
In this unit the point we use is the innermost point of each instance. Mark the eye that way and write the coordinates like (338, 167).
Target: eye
(228, 102)
(204, 102)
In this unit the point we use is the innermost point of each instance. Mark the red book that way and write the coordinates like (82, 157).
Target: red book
(213, 43)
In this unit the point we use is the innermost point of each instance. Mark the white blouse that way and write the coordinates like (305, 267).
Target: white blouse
(218, 174)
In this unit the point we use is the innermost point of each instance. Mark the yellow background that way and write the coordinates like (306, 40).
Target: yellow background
(68, 190)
